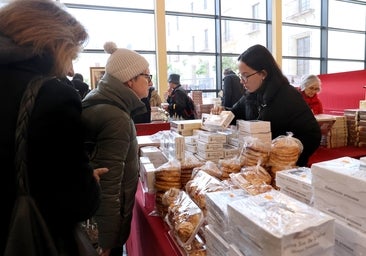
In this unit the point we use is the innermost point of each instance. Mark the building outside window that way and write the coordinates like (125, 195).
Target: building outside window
(204, 37)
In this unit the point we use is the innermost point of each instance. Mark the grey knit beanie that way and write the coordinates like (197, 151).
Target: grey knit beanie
(124, 64)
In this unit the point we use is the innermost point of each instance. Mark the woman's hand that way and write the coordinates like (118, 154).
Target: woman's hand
(99, 172)
(217, 110)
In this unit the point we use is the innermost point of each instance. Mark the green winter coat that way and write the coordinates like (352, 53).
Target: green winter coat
(116, 148)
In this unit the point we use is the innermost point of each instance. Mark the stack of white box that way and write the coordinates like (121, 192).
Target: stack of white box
(172, 145)
(296, 183)
(210, 146)
(256, 129)
(217, 219)
(185, 127)
(340, 190)
(150, 158)
(275, 224)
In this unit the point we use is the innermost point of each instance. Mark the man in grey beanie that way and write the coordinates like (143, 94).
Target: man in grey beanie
(107, 113)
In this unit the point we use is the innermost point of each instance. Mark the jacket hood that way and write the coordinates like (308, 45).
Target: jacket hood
(10, 52)
(22, 58)
(110, 88)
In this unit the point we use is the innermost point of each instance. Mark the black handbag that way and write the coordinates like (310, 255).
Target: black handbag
(28, 233)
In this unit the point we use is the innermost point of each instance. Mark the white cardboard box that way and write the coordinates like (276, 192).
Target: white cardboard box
(341, 177)
(203, 146)
(254, 126)
(343, 210)
(181, 125)
(348, 241)
(274, 224)
(211, 137)
(215, 122)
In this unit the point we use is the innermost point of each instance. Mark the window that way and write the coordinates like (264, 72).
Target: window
(255, 15)
(310, 43)
(304, 5)
(303, 50)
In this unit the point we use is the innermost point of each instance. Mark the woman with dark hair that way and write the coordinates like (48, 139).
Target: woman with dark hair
(270, 97)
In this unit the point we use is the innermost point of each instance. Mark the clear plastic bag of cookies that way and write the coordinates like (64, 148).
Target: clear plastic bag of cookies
(210, 168)
(227, 166)
(190, 162)
(239, 180)
(254, 151)
(256, 175)
(184, 218)
(196, 248)
(285, 151)
(201, 184)
(167, 176)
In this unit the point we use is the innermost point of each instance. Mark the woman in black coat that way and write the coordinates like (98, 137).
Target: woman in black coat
(270, 97)
(38, 38)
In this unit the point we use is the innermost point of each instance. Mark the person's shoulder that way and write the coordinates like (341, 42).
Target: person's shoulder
(59, 90)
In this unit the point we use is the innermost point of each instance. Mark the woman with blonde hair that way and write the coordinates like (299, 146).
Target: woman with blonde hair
(39, 39)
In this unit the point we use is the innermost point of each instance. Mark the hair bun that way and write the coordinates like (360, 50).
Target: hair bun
(110, 47)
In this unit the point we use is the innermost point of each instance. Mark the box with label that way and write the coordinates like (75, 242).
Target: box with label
(341, 177)
(181, 125)
(344, 210)
(297, 178)
(172, 145)
(274, 224)
(217, 122)
(211, 155)
(154, 154)
(230, 151)
(203, 146)
(254, 126)
(264, 137)
(348, 241)
(147, 177)
(210, 137)
(191, 147)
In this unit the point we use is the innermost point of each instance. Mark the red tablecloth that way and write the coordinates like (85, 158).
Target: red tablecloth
(149, 234)
(325, 154)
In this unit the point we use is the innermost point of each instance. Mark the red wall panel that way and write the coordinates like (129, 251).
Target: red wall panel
(342, 91)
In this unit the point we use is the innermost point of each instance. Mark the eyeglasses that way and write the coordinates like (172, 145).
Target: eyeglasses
(315, 89)
(245, 78)
(147, 76)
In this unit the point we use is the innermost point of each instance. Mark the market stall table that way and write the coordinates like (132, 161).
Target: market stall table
(149, 234)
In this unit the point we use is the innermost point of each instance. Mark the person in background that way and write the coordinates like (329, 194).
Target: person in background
(80, 85)
(233, 90)
(309, 87)
(126, 81)
(178, 100)
(270, 97)
(155, 100)
(145, 117)
(61, 180)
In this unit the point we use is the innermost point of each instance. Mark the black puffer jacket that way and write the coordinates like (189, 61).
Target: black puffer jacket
(233, 90)
(285, 108)
(60, 177)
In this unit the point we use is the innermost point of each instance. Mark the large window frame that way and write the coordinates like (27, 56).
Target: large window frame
(224, 32)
